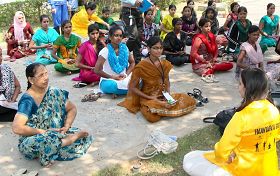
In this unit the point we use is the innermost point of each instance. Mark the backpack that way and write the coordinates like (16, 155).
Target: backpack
(221, 119)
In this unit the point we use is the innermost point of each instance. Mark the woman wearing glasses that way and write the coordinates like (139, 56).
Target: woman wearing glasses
(114, 64)
(150, 84)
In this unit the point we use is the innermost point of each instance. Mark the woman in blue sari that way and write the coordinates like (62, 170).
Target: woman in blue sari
(114, 64)
(43, 40)
(44, 121)
(269, 28)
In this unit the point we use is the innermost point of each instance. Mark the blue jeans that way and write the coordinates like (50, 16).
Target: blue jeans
(110, 87)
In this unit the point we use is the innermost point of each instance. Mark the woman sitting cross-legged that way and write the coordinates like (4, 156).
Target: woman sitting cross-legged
(250, 55)
(43, 40)
(114, 64)
(9, 91)
(65, 49)
(149, 81)
(204, 53)
(248, 145)
(18, 37)
(44, 121)
(175, 44)
(87, 57)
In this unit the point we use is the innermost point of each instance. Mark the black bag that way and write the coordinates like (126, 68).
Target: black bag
(221, 119)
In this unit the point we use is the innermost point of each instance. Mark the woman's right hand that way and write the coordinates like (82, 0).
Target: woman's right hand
(118, 77)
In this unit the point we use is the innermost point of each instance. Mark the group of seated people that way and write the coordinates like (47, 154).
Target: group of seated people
(81, 49)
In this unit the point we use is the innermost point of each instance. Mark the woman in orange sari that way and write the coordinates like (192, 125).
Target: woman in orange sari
(149, 83)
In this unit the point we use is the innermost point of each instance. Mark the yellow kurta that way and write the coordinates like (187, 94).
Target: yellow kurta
(81, 21)
(167, 23)
(252, 135)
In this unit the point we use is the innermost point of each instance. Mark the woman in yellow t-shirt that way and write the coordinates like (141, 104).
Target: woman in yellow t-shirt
(85, 17)
(248, 145)
(166, 25)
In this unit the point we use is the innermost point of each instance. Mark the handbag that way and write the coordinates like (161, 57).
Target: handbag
(158, 142)
(221, 119)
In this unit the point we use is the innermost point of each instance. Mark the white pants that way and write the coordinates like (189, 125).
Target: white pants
(196, 165)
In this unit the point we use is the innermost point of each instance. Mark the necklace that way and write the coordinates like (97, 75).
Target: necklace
(161, 72)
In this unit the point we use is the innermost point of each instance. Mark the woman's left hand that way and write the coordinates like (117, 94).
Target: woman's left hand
(63, 130)
(70, 61)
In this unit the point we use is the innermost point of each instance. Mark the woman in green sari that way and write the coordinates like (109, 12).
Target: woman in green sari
(65, 50)
(269, 28)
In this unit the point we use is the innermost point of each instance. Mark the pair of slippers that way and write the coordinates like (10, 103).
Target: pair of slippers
(209, 78)
(91, 97)
(24, 172)
(197, 94)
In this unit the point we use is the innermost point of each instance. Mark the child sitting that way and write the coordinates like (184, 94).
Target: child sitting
(105, 17)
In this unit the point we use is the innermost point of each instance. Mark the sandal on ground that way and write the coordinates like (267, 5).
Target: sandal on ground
(91, 97)
(20, 172)
(198, 95)
(198, 103)
(79, 85)
(32, 173)
(209, 78)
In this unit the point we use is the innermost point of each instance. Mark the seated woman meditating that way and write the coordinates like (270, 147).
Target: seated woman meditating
(65, 49)
(9, 91)
(149, 81)
(43, 40)
(18, 37)
(269, 27)
(174, 44)
(82, 19)
(44, 121)
(87, 57)
(114, 64)
(250, 55)
(204, 53)
(248, 145)
(238, 32)
(189, 24)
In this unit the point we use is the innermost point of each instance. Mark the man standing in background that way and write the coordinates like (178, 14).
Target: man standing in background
(59, 13)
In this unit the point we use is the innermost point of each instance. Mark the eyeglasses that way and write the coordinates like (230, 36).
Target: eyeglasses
(42, 75)
(157, 48)
(118, 35)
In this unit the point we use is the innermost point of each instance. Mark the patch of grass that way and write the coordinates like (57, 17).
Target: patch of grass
(171, 164)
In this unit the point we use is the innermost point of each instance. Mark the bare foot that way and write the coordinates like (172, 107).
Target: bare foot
(69, 73)
(94, 84)
(114, 96)
(50, 164)
(70, 139)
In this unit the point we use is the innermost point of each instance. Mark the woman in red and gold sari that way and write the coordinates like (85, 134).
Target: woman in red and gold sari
(149, 88)
(204, 53)
(18, 37)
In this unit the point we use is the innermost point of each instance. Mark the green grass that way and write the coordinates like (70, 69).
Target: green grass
(172, 164)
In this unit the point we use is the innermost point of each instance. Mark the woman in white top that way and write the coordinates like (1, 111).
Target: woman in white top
(114, 64)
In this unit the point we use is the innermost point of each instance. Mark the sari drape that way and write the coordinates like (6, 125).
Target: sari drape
(49, 114)
(89, 57)
(150, 82)
(66, 49)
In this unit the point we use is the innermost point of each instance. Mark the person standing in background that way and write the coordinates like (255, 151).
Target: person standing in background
(59, 13)
(72, 7)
